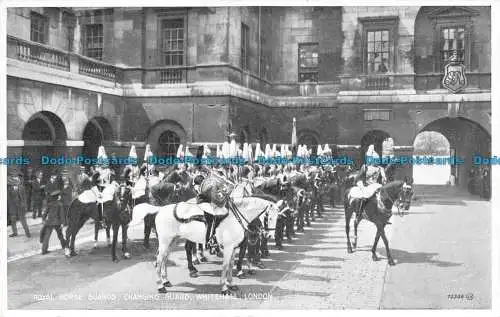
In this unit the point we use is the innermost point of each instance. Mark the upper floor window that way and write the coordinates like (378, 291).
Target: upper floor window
(245, 43)
(39, 28)
(452, 42)
(377, 51)
(308, 62)
(173, 42)
(94, 41)
(379, 37)
(453, 30)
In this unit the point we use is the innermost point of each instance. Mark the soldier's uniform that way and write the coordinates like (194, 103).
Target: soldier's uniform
(316, 189)
(53, 218)
(212, 197)
(367, 180)
(38, 194)
(16, 204)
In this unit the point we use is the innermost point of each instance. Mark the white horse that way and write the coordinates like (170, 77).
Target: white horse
(186, 220)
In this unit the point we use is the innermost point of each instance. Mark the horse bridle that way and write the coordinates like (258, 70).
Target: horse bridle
(397, 199)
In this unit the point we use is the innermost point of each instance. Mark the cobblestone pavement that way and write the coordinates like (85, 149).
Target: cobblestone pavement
(440, 248)
(313, 271)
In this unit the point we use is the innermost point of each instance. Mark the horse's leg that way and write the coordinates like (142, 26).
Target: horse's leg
(386, 242)
(243, 247)
(108, 235)
(230, 271)
(200, 253)
(116, 227)
(188, 246)
(161, 264)
(125, 252)
(67, 250)
(348, 215)
(96, 233)
(374, 248)
(74, 233)
(357, 220)
(226, 262)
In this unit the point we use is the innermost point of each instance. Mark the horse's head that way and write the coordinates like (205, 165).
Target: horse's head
(123, 194)
(406, 194)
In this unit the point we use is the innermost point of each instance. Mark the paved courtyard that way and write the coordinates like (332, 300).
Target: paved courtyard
(442, 253)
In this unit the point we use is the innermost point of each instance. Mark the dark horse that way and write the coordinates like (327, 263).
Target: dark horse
(117, 212)
(396, 193)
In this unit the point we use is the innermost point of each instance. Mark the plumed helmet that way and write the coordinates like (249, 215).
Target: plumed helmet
(371, 152)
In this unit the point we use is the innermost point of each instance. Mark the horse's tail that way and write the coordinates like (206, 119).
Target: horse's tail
(142, 210)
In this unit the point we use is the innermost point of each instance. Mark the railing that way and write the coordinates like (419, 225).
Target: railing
(173, 76)
(377, 82)
(37, 53)
(96, 69)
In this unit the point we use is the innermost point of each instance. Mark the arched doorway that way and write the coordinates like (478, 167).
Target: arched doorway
(381, 140)
(431, 144)
(467, 138)
(165, 137)
(168, 143)
(96, 132)
(44, 135)
(310, 139)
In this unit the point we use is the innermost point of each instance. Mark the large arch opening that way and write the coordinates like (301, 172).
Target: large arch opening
(431, 144)
(97, 131)
(310, 139)
(466, 139)
(168, 144)
(44, 134)
(382, 141)
(165, 137)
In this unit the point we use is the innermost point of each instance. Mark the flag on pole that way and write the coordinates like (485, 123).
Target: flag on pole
(294, 138)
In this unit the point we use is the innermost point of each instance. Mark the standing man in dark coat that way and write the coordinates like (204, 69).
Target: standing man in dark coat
(28, 186)
(17, 205)
(53, 217)
(38, 194)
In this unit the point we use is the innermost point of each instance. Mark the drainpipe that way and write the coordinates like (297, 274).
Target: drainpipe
(260, 48)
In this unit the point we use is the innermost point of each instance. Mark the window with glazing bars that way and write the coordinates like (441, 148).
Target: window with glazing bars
(94, 41)
(38, 28)
(173, 42)
(377, 51)
(308, 62)
(452, 42)
(244, 46)
(381, 115)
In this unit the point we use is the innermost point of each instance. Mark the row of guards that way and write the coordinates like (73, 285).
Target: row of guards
(224, 151)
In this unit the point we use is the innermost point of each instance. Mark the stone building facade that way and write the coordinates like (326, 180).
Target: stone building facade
(82, 77)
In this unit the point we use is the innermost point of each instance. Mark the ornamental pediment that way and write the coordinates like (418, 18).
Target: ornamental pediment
(453, 12)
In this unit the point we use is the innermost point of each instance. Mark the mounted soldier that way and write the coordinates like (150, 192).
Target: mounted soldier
(367, 180)
(214, 192)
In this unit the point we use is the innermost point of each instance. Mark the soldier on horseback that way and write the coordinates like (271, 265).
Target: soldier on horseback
(368, 179)
(214, 193)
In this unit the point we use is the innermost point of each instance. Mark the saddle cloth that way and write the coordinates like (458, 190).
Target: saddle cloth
(212, 209)
(94, 196)
(365, 192)
(187, 210)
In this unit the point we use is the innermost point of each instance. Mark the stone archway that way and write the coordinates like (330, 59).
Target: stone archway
(97, 131)
(44, 135)
(311, 139)
(165, 137)
(381, 140)
(466, 138)
(431, 144)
